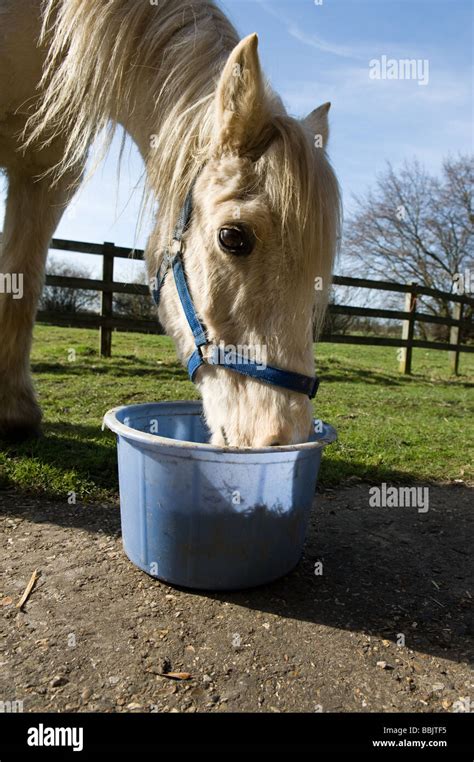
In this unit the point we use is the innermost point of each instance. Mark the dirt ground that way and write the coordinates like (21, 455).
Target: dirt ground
(386, 627)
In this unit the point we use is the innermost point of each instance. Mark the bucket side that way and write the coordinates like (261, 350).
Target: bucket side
(214, 525)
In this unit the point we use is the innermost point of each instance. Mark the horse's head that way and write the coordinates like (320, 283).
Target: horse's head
(258, 255)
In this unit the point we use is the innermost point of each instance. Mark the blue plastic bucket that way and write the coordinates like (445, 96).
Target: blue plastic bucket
(206, 517)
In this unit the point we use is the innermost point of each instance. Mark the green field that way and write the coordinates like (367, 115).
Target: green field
(390, 427)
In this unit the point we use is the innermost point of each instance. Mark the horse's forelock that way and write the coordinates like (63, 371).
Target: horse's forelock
(303, 192)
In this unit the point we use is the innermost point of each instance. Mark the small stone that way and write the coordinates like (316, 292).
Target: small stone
(59, 680)
(134, 706)
(86, 694)
(207, 680)
(384, 665)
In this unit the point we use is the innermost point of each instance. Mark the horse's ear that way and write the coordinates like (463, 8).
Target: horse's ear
(242, 110)
(318, 123)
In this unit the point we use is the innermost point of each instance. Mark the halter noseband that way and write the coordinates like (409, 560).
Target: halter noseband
(295, 382)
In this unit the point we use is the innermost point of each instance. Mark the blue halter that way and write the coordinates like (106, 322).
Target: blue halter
(295, 382)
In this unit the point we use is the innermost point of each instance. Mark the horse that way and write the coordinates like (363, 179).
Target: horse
(213, 134)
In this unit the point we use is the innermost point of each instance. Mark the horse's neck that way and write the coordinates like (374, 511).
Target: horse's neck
(139, 126)
(142, 119)
(154, 72)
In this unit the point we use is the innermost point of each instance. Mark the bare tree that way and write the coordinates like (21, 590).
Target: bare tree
(64, 299)
(416, 227)
(338, 323)
(136, 306)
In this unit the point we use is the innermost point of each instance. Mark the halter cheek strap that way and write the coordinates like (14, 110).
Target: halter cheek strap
(295, 382)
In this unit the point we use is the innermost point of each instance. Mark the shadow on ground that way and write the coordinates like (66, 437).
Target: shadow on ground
(335, 372)
(169, 371)
(386, 572)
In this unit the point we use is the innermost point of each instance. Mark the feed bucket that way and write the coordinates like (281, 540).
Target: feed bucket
(208, 517)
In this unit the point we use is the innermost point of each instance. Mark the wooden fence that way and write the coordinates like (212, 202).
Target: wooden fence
(107, 322)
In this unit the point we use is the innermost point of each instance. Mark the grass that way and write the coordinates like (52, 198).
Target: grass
(391, 427)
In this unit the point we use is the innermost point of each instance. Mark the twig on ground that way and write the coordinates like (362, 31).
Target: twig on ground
(28, 589)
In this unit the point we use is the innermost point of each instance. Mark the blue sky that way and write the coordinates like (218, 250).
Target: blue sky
(314, 53)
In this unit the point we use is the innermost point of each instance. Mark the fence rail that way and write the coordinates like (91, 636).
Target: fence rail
(107, 322)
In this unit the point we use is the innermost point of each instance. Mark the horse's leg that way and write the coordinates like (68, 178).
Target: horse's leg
(33, 211)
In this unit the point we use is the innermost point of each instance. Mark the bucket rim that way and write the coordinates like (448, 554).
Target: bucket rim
(112, 422)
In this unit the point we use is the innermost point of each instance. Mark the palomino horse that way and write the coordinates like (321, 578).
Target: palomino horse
(265, 201)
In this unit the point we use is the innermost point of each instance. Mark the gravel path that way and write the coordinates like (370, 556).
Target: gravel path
(386, 627)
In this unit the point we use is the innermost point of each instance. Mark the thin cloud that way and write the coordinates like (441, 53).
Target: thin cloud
(310, 39)
(363, 52)
(320, 44)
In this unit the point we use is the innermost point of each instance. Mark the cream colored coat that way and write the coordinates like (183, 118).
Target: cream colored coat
(192, 97)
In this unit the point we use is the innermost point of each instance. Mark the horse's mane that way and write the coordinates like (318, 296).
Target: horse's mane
(100, 53)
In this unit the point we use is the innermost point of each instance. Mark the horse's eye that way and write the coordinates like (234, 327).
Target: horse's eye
(236, 240)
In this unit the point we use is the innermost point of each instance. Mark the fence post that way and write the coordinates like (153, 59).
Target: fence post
(455, 338)
(408, 331)
(106, 306)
